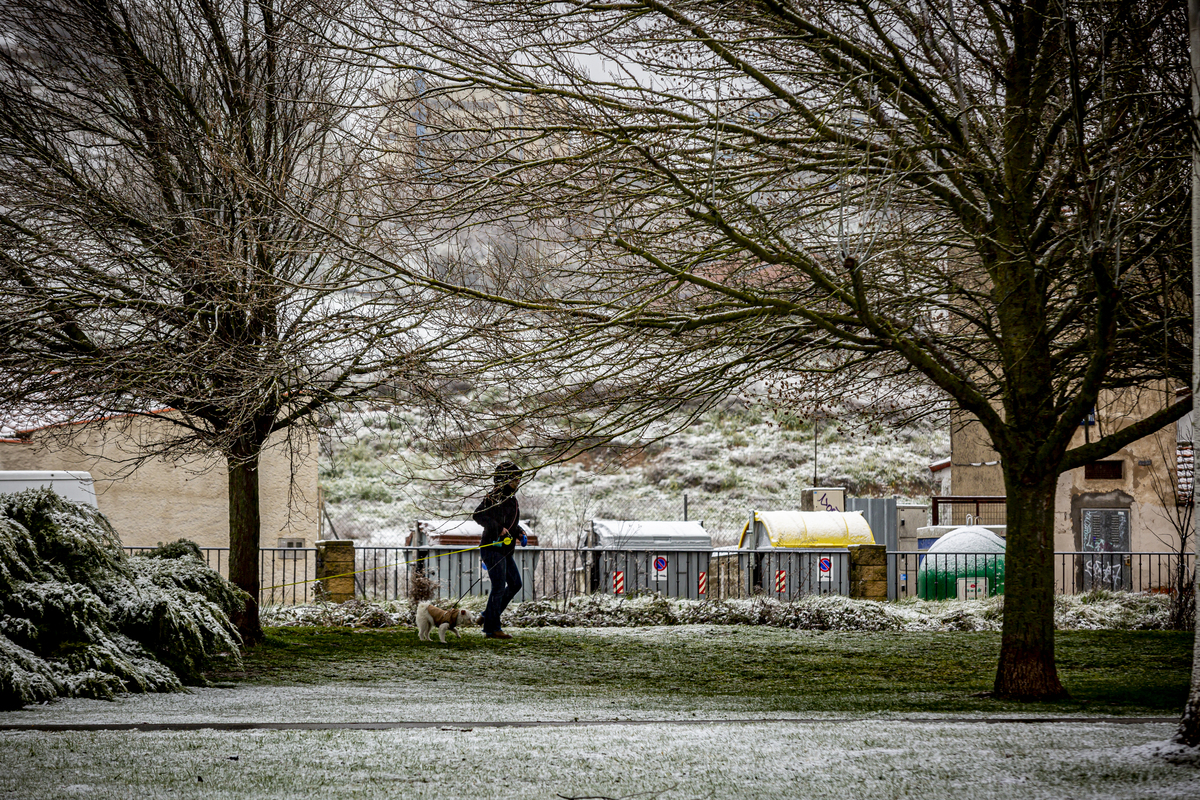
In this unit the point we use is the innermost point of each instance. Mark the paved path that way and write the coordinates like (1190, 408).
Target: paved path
(466, 726)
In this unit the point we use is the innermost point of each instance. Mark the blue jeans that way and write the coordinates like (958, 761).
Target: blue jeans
(506, 584)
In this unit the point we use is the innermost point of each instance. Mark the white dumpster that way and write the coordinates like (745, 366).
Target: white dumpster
(628, 557)
(75, 486)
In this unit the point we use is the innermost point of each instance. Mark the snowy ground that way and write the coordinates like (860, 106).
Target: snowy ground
(764, 752)
(839, 760)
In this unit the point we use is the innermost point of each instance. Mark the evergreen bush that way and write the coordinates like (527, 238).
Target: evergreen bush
(78, 618)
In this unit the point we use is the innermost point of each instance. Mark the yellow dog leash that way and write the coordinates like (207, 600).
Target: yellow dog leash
(501, 542)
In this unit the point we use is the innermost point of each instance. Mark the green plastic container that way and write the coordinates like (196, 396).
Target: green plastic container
(965, 564)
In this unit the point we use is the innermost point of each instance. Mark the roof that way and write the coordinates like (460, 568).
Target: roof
(968, 539)
(17, 423)
(656, 533)
(456, 533)
(938, 466)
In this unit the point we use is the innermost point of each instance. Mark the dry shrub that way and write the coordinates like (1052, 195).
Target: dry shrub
(423, 588)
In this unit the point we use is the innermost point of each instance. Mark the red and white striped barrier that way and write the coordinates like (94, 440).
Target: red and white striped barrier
(781, 581)
(618, 583)
(703, 588)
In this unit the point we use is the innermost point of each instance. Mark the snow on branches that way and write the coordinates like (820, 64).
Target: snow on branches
(78, 618)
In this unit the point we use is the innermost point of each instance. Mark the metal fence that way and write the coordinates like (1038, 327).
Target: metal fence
(1081, 572)
(387, 573)
(288, 575)
(944, 576)
(789, 575)
(952, 510)
(947, 576)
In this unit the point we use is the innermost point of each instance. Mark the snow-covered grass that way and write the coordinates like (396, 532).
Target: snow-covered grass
(852, 759)
(378, 476)
(882, 710)
(1094, 611)
(672, 673)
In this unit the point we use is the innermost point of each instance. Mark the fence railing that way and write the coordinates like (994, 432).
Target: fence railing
(946, 576)
(387, 573)
(953, 510)
(1077, 573)
(287, 576)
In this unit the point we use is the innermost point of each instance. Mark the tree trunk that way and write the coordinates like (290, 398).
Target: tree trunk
(1026, 670)
(1189, 723)
(244, 524)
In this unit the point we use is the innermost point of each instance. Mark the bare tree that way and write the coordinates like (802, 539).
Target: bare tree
(1175, 496)
(181, 181)
(986, 195)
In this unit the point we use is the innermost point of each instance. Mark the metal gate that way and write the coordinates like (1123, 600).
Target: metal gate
(672, 573)
(1105, 535)
(880, 513)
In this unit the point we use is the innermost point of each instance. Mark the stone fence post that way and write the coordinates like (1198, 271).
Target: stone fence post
(335, 557)
(868, 571)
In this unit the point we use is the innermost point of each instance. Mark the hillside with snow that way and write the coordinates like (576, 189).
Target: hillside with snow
(378, 476)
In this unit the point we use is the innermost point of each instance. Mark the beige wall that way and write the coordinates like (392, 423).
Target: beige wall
(161, 501)
(974, 465)
(1147, 473)
(1146, 486)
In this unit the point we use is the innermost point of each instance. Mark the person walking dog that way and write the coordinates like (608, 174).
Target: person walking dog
(500, 516)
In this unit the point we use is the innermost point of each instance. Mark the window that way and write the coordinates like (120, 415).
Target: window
(1104, 470)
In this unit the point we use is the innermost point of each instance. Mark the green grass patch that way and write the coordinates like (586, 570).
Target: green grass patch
(752, 668)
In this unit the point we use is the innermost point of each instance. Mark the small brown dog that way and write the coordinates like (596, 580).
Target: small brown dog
(430, 617)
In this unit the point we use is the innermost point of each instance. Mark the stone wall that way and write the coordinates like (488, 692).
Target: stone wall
(868, 571)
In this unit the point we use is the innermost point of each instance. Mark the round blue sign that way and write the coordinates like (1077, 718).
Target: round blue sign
(826, 564)
(660, 564)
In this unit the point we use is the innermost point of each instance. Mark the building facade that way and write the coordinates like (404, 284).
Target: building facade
(1132, 501)
(155, 500)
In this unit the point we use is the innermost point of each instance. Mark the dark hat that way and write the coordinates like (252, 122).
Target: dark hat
(505, 471)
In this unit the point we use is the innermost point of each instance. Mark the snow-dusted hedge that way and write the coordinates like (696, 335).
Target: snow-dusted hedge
(80, 619)
(351, 614)
(1111, 610)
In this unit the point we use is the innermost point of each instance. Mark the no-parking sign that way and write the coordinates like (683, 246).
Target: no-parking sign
(825, 565)
(660, 568)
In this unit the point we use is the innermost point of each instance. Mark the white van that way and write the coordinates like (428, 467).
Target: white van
(75, 486)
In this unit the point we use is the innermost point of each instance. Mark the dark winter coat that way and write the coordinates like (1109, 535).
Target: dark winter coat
(499, 510)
